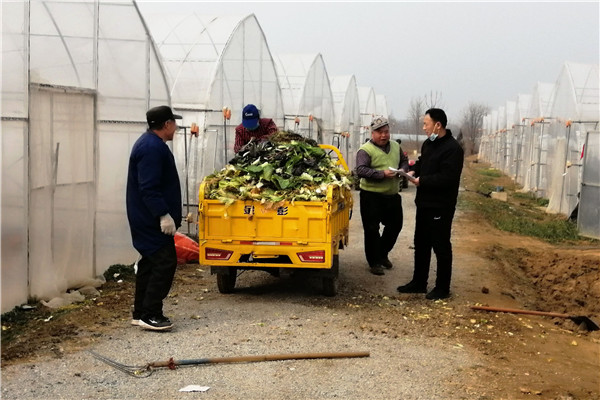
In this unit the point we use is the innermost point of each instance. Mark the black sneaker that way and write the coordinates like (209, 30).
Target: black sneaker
(386, 263)
(377, 270)
(412, 287)
(437, 294)
(160, 323)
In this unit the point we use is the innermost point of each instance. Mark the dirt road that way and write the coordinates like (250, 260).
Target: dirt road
(419, 349)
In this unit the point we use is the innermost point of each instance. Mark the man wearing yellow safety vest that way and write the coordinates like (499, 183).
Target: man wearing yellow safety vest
(380, 202)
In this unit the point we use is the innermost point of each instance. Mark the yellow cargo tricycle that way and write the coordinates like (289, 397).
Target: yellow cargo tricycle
(248, 235)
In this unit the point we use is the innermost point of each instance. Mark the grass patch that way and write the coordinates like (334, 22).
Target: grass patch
(530, 198)
(522, 214)
(490, 172)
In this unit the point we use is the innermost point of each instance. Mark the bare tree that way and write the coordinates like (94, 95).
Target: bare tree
(394, 125)
(471, 125)
(415, 118)
(433, 100)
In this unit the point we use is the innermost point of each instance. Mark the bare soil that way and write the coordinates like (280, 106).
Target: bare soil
(525, 356)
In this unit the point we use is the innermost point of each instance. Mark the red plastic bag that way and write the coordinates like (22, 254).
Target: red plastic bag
(186, 249)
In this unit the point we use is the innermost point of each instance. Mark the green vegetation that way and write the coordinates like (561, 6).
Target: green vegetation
(523, 213)
(492, 173)
(286, 167)
(530, 197)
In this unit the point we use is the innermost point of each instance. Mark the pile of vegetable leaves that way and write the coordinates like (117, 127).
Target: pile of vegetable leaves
(286, 167)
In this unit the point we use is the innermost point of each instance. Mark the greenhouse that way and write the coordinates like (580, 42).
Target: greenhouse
(519, 146)
(307, 97)
(74, 98)
(554, 143)
(509, 112)
(532, 127)
(347, 115)
(381, 106)
(575, 112)
(215, 65)
(539, 110)
(368, 108)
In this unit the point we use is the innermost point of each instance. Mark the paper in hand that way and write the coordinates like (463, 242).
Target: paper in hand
(402, 173)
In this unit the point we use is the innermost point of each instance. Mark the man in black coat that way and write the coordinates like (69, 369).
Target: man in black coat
(154, 212)
(437, 173)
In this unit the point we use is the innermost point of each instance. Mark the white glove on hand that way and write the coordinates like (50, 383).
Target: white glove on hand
(167, 225)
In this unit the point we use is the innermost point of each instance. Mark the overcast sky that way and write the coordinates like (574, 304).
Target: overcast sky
(484, 52)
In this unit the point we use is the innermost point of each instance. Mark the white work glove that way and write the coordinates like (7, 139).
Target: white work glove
(167, 225)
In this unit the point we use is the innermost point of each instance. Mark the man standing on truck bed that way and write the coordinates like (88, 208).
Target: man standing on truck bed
(437, 173)
(154, 214)
(380, 202)
(252, 126)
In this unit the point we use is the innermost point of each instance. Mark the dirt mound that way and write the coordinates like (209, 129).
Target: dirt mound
(567, 280)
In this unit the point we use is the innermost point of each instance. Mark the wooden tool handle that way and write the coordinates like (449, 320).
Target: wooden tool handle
(516, 311)
(277, 357)
(274, 357)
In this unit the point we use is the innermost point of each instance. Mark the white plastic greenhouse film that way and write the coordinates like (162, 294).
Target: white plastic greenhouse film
(14, 48)
(14, 214)
(529, 157)
(567, 143)
(522, 155)
(14, 157)
(588, 220)
(245, 74)
(515, 151)
(113, 237)
(539, 160)
(318, 101)
(576, 93)
(62, 191)
(556, 170)
(99, 65)
(62, 45)
(381, 105)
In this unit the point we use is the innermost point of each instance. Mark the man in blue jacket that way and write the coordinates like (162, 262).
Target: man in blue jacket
(437, 173)
(154, 213)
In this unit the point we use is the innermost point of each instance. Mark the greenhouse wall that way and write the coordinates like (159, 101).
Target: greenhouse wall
(347, 113)
(575, 110)
(521, 143)
(213, 63)
(382, 106)
(14, 155)
(307, 95)
(368, 109)
(588, 221)
(63, 187)
(548, 141)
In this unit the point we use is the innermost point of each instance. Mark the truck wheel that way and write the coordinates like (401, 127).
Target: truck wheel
(330, 282)
(226, 282)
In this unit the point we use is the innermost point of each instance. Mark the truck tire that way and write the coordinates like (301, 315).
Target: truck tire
(226, 281)
(330, 281)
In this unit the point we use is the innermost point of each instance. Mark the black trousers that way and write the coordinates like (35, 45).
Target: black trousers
(153, 281)
(432, 231)
(376, 209)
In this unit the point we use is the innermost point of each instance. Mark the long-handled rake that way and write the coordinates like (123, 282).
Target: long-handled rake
(580, 320)
(148, 369)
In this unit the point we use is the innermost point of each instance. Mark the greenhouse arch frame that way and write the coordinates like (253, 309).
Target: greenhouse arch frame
(74, 99)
